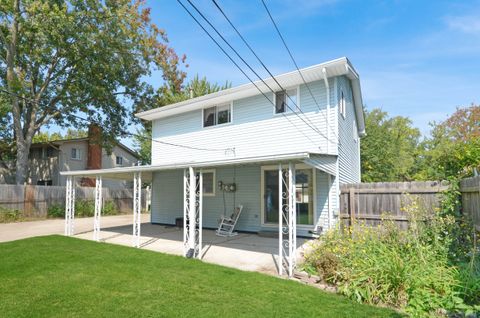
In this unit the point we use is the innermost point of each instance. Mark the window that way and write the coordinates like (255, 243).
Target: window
(286, 101)
(217, 115)
(355, 131)
(208, 182)
(343, 106)
(304, 190)
(44, 182)
(75, 154)
(119, 160)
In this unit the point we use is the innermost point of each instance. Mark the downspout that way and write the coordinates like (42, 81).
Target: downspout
(337, 168)
(327, 87)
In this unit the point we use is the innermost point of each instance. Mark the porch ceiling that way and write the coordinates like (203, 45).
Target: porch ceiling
(126, 173)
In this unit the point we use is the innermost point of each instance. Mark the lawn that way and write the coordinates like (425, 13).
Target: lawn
(56, 276)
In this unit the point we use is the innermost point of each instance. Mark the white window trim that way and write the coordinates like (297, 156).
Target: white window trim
(214, 182)
(298, 166)
(118, 164)
(218, 125)
(287, 111)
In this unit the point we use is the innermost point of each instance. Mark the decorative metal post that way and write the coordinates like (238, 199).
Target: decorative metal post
(137, 206)
(186, 206)
(192, 213)
(200, 214)
(98, 208)
(287, 219)
(69, 205)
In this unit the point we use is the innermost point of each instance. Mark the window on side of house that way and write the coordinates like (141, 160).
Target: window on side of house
(217, 115)
(343, 106)
(208, 182)
(75, 154)
(119, 160)
(286, 101)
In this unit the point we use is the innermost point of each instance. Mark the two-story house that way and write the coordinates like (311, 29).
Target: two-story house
(47, 159)
(280, 154)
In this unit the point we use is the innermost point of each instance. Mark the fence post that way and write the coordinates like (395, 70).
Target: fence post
(352, 205)
(29, 199)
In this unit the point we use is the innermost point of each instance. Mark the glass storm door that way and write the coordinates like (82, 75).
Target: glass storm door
(303, 191)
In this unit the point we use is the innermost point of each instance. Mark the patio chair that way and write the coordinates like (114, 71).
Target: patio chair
(227, 224)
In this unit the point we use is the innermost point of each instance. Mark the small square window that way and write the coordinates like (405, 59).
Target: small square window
(119, 160)
(75, 154)
(286, 100)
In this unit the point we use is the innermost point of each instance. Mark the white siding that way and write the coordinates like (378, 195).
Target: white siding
(348, 149)
(254, 131)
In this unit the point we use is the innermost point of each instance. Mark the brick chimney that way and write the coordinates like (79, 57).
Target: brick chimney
(94, 152)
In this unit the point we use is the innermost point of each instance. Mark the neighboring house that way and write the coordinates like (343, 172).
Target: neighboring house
(47, 159)
(237, 136)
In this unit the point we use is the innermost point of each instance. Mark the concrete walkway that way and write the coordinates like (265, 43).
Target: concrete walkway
(249, 252)
(20, 230)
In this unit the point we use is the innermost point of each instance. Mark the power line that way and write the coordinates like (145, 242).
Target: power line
(311, 125)
(239, 68)
(293, 60)
(126, 132)
(263, 64)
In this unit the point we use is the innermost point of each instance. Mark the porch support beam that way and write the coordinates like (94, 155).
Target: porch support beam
(98, 208)
(69, 205)
(280, 220)
(137, 206)
(292, 218)
(200, 215)
(192, 213)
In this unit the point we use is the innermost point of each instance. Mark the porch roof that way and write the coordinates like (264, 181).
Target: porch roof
(126, 173)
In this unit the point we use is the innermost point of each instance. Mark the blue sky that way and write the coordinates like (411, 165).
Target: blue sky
(419, 59)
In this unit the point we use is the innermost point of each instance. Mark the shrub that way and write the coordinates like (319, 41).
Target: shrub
(84, 208)
(56, 211)
(9, 215)
(406, 269)
(109, 208)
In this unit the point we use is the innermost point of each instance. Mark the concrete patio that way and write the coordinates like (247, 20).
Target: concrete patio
(245, 251)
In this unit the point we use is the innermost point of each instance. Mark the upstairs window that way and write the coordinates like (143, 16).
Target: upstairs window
(286, 101)
(343, 106)
(119, 160)
(217, 115)
(75, 154)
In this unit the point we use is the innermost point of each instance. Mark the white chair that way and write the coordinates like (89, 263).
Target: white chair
(227, 224)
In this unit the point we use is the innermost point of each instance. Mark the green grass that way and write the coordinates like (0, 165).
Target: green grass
(56, 276)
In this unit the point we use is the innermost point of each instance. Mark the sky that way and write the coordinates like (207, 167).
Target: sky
(419, 59)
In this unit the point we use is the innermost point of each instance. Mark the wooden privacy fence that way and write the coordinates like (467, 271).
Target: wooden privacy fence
(470, 189)
(372, 202)
(34, 200)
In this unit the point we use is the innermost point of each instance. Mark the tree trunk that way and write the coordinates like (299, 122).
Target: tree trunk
(21, 172)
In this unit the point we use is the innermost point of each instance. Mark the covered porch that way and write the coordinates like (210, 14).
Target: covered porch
(276, 254)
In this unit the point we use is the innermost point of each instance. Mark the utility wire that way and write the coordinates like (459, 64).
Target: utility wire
(239, 68)
(293, 60)
(263, 64)
(310, 124)
(126, 132)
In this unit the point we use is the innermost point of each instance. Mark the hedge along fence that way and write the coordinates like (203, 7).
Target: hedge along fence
(34, 200)
(372, 202)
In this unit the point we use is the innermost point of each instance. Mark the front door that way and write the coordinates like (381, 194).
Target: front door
(304, 190)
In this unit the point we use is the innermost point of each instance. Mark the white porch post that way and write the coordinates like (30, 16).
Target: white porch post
(186, 206)
(137, 205)
(200, 214)
(292, 218)
(98, 208)
(280, 220)
(69, 205)
(192, 209)
(287, 231)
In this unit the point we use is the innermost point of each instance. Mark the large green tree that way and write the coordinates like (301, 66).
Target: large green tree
(66, 58)
(453, 149)
(166, 95)
(390, 150)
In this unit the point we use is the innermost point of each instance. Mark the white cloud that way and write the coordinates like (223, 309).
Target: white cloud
(467, 24)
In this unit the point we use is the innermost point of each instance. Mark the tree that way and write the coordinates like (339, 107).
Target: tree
(389, 151)
(169, 94)
(65, 59)
(71, 134)
(453, 150)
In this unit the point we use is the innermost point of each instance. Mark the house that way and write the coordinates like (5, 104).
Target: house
(47, 159)
(282, 155)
